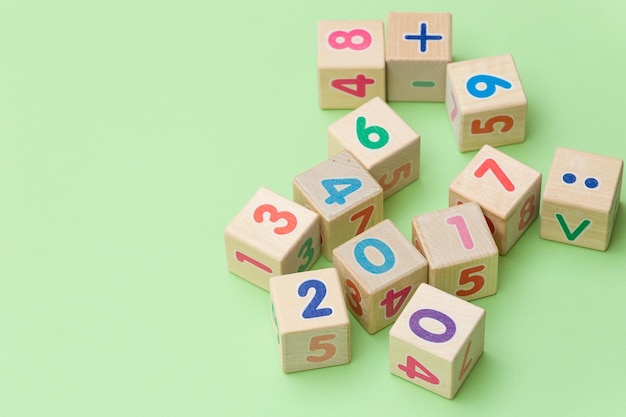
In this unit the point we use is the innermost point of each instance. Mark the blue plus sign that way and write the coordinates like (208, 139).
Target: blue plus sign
(423, 37)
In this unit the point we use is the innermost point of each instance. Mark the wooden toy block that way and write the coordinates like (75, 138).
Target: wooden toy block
(381, 141)
(345, 195)
(461, 253)
(486, 102)
(271, 236)
(310, 320)
(507, 191)
(419, 46)
(437, 340)
(380, 270)
(581, 198)
(350, 62)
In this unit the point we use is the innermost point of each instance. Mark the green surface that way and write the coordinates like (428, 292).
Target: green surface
(132, 132)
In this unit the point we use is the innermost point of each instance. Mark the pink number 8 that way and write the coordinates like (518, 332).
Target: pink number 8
(340, 39)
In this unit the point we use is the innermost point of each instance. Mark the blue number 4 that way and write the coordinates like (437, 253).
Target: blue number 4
(339, 188)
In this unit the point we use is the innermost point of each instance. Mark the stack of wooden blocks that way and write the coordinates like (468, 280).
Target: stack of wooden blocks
(421, 287)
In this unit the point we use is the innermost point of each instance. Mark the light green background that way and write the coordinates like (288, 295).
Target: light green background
(132, 132)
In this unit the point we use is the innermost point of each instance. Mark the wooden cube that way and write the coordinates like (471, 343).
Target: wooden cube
(461, 253)
(581, 198)
(310, 320)
(419, 46)
(386, 146)
(350, 62)
(380, 270)
(345, 195)
(507, 191)
(486, 102)
(271, 236)
(437, 340)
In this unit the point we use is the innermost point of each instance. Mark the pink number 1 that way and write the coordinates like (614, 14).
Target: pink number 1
(461, 227)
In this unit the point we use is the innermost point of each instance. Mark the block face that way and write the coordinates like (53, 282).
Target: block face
(461, 252)
(271, 236)
(507, 190)
(418, 47)
(310, 320)
(351, 62)
(486, 102)
(581, 198)
(436, 341)
(381, 141)
(344, 194)
(380, 270)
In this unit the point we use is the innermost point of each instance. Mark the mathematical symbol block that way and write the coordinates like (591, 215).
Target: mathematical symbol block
(384, 143)
(271, 236)
(310, 320)
(486, 102)
(419, 46)
(347, 198)
(461, 253)
(581, 198)
(437, 340)
(380, 270)
(350, 63)
(507, 191)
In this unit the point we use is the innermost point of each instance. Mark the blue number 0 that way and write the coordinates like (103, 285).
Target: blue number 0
(312, 311)
(382, 247)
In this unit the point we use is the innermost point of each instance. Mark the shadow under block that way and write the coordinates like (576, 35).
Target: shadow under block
(486, 102)
(271, 236)
(419, 46)
(461, 253)
(310, 320)
(382, 142)
(508, 192)
(344, 194)
(379, 270)
(581, 198)
(350, 62)
(437, 340)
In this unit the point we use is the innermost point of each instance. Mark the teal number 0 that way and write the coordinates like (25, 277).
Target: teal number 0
(364, 133)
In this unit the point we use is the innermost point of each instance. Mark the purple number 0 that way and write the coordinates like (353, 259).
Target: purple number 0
(414, 324)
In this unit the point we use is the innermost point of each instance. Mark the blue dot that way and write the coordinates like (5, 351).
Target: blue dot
(569, 178)
(591, 182)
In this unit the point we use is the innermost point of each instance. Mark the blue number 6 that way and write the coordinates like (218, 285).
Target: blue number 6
(489, 82)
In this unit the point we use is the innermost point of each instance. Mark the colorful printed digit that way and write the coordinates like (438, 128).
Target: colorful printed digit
(356, 86)
(365, 216)
(355, 295)
(470, 276)
(307, 252)
(312, 309)
(455, 109)
(276, 216)
(364, 134)
(403, 171)
(355, 39)
(321, 342)
(458, 221)
(422, 333)
(527, 213)
(242, 257)
(339, 188)
(490, 125)
(485, 86)
(411, 371)
(490, 164)
(393, 301)
(382, 247)
(275, 324)
(466, 364)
